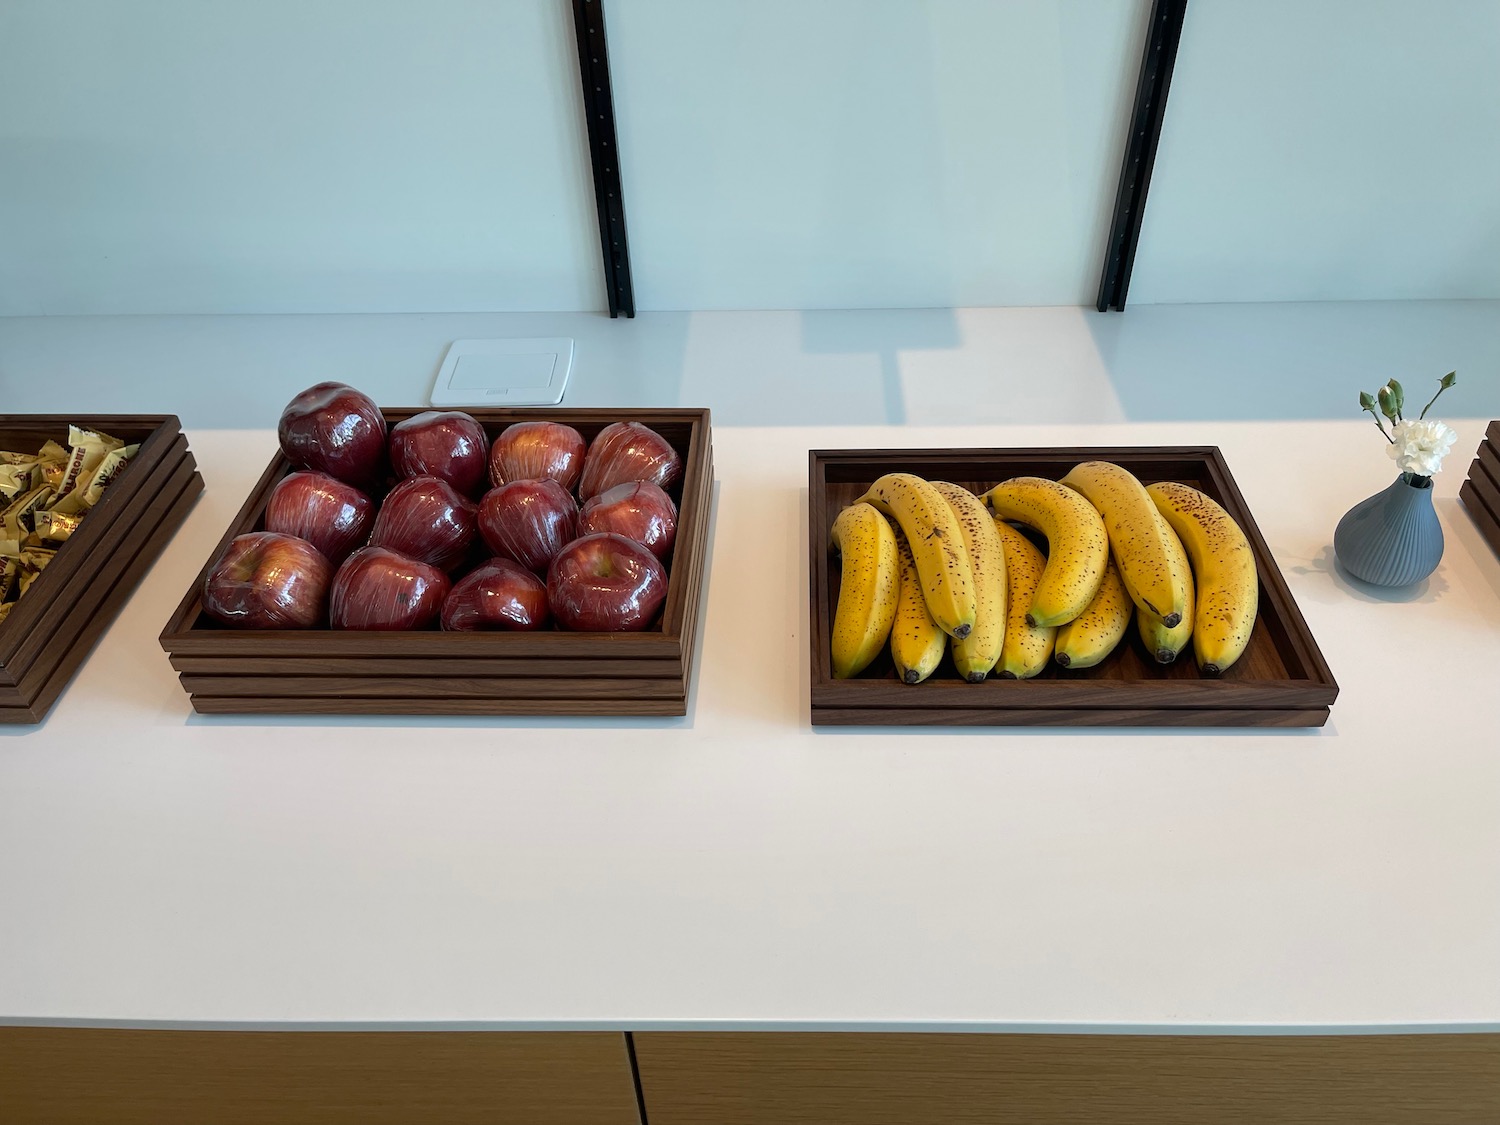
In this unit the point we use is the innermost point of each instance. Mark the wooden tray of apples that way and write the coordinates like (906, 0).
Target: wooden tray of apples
(495, 562)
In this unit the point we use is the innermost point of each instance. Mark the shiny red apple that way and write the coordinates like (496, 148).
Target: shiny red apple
(441, 443)
(627, 451)
(605, 583)
(426, 519)
(378, 588)
(529, 521)
(266, 580)
(538, 451)
(638, 510)
(501, 594)
(333, 516)
(335, 429)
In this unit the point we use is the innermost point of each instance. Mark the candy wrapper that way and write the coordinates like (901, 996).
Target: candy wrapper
(45, 495)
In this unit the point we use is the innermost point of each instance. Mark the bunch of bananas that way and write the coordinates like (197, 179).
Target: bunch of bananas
(930, 568)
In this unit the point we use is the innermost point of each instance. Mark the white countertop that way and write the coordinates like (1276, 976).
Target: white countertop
(737, 868)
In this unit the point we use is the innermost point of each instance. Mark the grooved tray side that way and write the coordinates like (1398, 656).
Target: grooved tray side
(1282, 680)
(1481, 492)
(548, 672)
(51, 630)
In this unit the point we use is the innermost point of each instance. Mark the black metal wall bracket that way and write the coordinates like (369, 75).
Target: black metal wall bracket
(604, 153)
(1162, 37)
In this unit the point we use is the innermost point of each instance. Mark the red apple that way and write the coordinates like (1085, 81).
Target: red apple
(335, 429)
(529, 521)
(441, 443)
(501, 594)
(427, 520)
(538, 451)
(333, 516)
(265, 580)
(638, 510)
(605, 583)
(377, 588)
(626, 451)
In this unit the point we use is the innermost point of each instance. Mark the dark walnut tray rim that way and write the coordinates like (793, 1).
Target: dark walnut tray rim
(52, 630)
(1282, 681)
(549, 672)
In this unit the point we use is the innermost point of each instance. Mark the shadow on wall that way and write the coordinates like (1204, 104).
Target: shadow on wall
(1260, 361)
(883, 337)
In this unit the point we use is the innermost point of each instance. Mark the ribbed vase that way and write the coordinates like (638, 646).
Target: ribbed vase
(1393, 538)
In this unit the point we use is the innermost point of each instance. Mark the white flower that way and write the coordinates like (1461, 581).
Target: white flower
(1420, 446)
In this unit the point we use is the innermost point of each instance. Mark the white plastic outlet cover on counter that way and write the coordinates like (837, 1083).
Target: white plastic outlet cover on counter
(736, 868)
(525, 372)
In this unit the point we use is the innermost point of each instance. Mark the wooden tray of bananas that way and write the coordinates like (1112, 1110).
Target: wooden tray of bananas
(1050, 587)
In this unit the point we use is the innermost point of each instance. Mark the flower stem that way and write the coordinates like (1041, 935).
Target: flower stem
(1443, 384)
(1379, 425)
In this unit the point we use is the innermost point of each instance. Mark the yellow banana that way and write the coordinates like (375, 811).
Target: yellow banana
(937, 547)
(1140, 548)
(1027, 647)
(867, 592)
(917, 644)
(1093, 634)
(977, 653)
(1077, 547)
(1162, 641)
(1228, 586)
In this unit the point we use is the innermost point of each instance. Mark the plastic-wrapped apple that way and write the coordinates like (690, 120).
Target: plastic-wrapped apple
(378, 588)
(441, 443)
(335, 429)
(628, 451)
(266, 580)
(332, 515)
(426, 519)
(638, 510)
(529, 521)
(538, 451)
(501, 594)
(605, 583)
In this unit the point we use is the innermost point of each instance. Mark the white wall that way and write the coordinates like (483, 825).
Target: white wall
(292, 155)
(342, 155)
(409, 155)
(1328, 149)
(870, 153)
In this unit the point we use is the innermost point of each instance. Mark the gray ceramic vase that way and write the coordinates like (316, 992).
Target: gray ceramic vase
(1393, 538)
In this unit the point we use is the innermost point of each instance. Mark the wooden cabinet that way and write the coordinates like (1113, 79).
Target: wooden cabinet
(63, 1076)
(878, 1079)
(52, 1076)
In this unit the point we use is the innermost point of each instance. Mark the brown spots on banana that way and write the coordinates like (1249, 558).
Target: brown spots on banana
(1224, 566)
(934, 536)
(1077, 544)
(1134, 533)
(868, 590)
